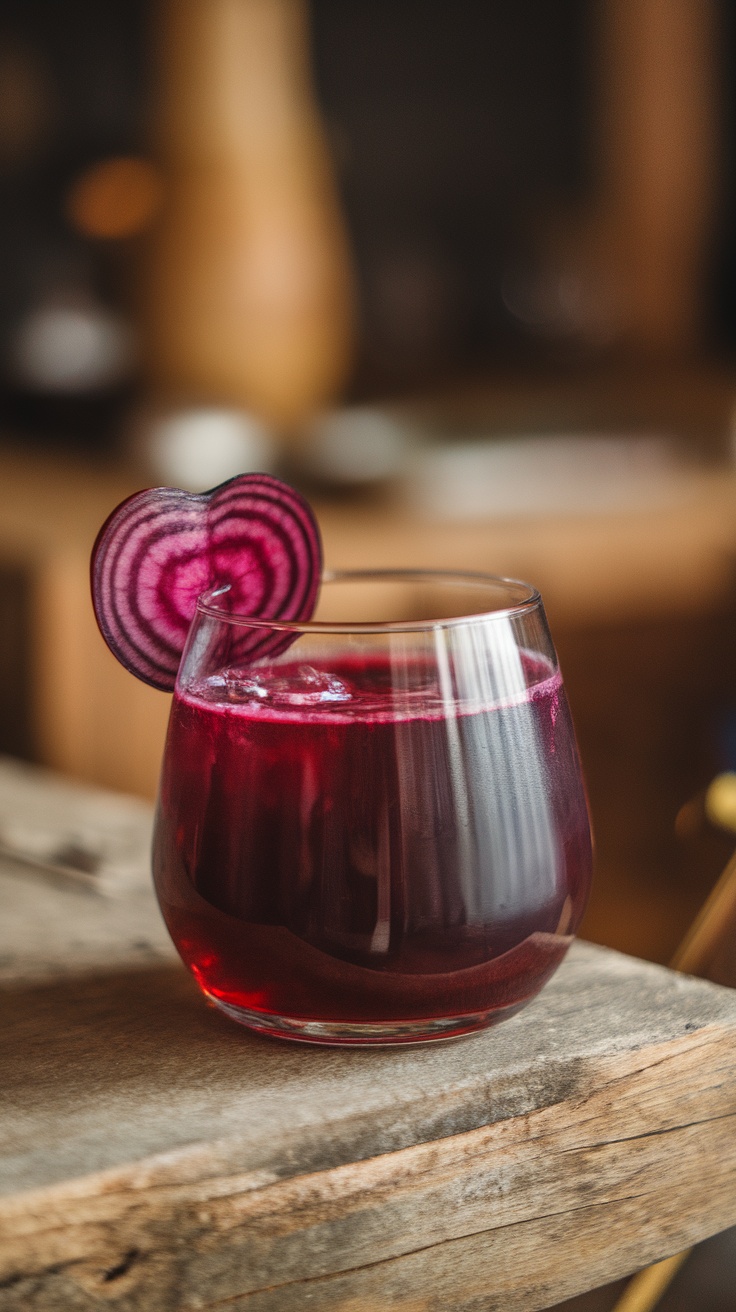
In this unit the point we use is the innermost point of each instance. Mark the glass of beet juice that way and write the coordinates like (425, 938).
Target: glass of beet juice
(376, 831)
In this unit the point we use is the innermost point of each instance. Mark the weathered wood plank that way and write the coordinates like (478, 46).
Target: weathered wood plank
(155, 1156)
(75, 880)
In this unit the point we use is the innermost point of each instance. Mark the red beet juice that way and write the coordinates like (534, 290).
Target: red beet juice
(332, 850)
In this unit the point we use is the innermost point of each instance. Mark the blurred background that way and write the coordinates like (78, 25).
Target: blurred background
(465, 273)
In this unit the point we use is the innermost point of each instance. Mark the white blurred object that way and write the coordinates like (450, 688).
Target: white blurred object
(357, 445)
(76, 347)
(200, 447)
(484, 479)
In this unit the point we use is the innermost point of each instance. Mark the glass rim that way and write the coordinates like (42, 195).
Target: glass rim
(467, 578)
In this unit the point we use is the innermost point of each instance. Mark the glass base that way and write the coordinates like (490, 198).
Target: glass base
(362, 1034)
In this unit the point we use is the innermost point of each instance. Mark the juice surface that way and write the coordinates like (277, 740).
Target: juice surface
(332, 846)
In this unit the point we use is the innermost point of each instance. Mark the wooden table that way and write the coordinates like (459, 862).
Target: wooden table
(92, 720)
(154, 1156)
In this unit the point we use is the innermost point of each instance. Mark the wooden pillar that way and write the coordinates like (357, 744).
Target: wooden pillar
(655, 161)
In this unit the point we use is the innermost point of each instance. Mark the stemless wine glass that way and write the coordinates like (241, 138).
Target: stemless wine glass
(373, 831)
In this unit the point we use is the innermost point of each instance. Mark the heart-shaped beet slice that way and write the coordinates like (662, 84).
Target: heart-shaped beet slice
(160, 549)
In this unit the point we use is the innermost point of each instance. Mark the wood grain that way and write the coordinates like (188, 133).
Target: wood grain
(154, 1156)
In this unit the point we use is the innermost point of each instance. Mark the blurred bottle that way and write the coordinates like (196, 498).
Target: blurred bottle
(247, 298)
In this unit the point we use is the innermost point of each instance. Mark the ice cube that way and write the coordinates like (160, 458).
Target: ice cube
(313, 687)
(237, 687)
(302, 685)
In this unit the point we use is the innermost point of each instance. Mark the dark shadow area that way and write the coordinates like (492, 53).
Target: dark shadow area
(16, 729)
(705, 1283)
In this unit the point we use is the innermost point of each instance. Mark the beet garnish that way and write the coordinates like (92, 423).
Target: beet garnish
(160, 549)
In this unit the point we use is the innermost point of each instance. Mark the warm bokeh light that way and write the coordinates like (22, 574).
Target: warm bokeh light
(720, 801)
(115, 198)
